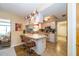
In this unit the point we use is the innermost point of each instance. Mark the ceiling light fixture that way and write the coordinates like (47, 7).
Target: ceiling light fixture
(34, 17)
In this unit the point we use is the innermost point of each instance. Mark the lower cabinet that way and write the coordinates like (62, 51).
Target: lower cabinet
(51, 37)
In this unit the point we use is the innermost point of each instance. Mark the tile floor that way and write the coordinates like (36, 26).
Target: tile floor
(52, 49)
(21, 50)
(58, 49)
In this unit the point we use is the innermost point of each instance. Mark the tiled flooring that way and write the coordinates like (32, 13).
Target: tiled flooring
(58, 49)
(52, 49)
(22, 51)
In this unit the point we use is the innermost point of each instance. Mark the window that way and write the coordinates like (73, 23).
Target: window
(4, 26)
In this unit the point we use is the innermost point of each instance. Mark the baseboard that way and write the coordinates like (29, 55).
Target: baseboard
(17, 44)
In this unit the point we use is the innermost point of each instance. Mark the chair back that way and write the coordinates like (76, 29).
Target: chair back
(24, 38)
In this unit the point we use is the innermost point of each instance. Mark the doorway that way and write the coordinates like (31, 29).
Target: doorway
(62, 36)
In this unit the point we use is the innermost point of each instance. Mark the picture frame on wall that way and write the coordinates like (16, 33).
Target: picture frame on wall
(18, 27)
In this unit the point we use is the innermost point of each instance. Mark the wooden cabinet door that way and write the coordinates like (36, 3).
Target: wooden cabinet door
(77, 29)
(77, 48)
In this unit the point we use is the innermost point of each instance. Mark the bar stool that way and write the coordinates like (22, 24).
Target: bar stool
(28, 43)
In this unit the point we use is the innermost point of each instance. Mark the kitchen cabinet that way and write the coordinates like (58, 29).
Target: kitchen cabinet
(51, 37)
(40, 41)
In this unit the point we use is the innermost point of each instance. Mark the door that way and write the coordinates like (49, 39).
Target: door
(77, 29)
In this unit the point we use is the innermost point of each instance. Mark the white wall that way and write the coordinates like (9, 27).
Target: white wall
(72, 29)
(15, 39)
(62, 28)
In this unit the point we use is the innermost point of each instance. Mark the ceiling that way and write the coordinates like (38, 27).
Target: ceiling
(58, 10)
(23, 9)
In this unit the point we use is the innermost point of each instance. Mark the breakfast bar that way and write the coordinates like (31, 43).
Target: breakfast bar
(40, 40)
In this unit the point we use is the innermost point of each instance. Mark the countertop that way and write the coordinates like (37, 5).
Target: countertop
(36, 36)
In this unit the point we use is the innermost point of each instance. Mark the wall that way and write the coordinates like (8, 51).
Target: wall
(62, 28)
(15, 39)
(71, 29)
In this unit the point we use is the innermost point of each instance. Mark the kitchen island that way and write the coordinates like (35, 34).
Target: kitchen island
(40, 40)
